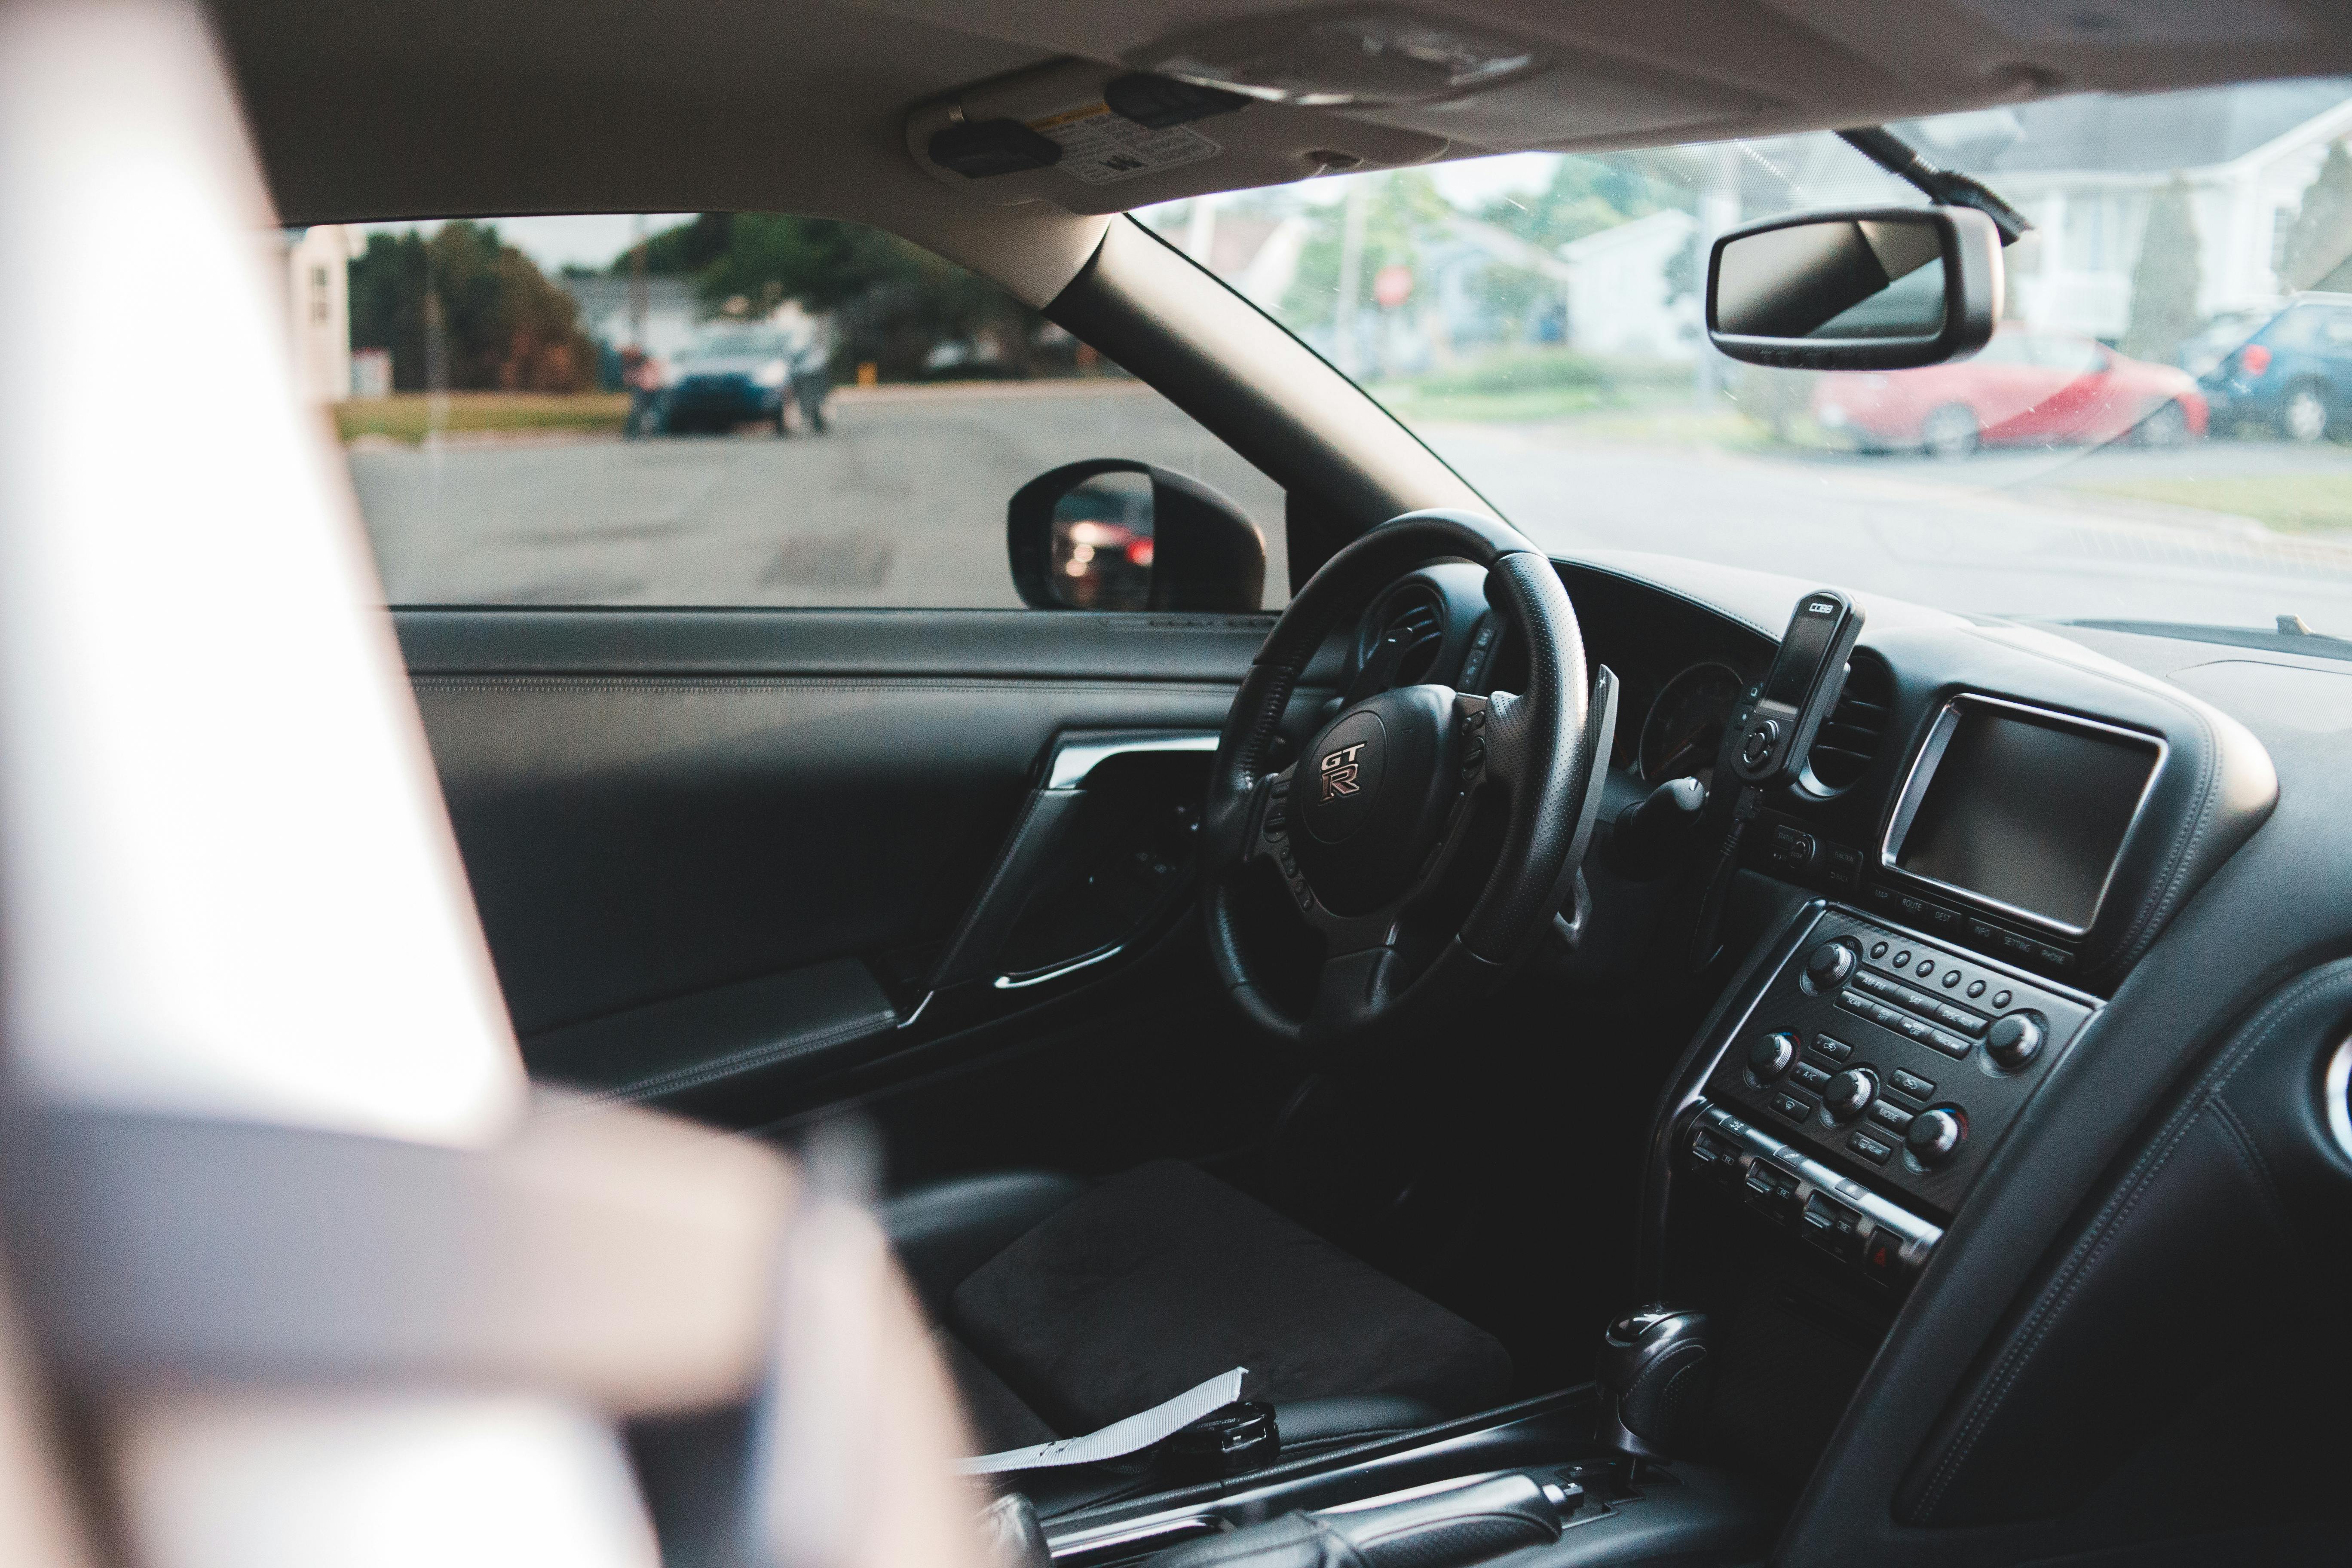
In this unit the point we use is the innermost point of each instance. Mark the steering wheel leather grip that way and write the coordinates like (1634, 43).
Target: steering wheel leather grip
(1374, 816)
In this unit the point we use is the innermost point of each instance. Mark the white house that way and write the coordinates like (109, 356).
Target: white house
(319, 307)
(2086, 170)
(1620, 289)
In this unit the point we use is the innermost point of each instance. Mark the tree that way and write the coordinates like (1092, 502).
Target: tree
(1587, 195)
(2167, 276)
(480, 305)
(2319, 251)
(1404, 213)
(891, 302)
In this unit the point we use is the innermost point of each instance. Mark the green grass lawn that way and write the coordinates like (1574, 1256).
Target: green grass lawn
(409, 415)
(2291, 503)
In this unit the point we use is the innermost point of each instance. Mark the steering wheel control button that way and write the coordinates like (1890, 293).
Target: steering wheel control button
(1755, 746)
(1848, 1093)
(1795, 1109)
(1936, 1136)
(1837, 1050)
(2016, 1039)
(1869, 1148)
(1892, 1117)
(1810, 1078)
(1771, 1055)
(1912, 1084)
(1828, 966)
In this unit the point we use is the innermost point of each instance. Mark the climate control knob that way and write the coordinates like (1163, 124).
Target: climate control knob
(2015, 1039)
(1850, 1093)
(1771, 1055)
(1828, 966)
(1936, 1136)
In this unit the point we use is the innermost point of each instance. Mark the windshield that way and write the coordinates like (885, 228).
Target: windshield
(2156, 433)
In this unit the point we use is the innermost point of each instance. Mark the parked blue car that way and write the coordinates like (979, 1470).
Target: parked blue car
(2294, 375)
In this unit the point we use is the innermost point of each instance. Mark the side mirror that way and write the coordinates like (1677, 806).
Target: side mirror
(1884, 289)
(1113, 534)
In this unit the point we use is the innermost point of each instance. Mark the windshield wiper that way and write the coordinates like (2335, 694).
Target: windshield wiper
(1948, 186)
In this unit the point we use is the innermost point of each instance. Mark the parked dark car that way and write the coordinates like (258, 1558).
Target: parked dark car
(732, 375)
(2293, 376)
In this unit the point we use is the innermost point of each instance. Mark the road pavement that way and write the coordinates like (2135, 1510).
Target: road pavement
(903, 504)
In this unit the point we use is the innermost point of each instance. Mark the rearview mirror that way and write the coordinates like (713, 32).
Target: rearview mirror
(1113, 534)
(1884, 289)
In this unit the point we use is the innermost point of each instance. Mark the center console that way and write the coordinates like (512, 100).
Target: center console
(1855, 1101)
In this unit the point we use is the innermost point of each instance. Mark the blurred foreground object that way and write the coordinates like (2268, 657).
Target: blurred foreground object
(283, 1219)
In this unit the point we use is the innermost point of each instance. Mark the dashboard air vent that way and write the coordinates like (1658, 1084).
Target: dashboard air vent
(1412, 621)
(1851, 735)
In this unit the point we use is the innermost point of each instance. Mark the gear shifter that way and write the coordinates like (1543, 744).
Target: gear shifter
(1654, 1378)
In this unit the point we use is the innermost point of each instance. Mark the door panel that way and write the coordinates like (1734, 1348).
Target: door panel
(671, 816)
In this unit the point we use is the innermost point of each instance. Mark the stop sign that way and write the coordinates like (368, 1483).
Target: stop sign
(1393, 285)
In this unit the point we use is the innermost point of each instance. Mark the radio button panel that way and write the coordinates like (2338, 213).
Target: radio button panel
(1879, 1024)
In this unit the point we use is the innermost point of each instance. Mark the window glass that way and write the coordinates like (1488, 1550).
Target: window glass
(1535, 319)
(715, 410)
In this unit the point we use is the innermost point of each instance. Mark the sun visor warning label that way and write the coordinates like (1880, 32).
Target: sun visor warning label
(1100, 147)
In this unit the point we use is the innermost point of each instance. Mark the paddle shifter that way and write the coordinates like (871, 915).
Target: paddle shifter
(1655, 1377)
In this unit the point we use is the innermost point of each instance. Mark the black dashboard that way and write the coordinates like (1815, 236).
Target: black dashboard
(2043, 888)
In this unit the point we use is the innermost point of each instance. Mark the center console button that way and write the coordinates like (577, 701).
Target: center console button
(1769, 1057)
(1869, 1148)
(1912, 1084)
(1829, 965)
(1837, 1050)
(1892, 1117)
(1936, 1136)
(1950, 1045)
(1848, 1092)
(1795, 1109)
(1810, 1078)
(2000, 998)
(1960, 1019)
(2015, 1040)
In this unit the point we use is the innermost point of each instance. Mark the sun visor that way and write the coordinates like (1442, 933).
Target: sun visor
(1051, 134)
(1580, 101)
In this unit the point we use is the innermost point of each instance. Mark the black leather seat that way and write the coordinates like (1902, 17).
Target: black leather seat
(1063, 1306)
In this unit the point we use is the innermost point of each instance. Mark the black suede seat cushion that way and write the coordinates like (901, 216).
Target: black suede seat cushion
(1164, 1277)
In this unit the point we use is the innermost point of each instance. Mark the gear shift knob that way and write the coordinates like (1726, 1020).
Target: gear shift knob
(1655, 1377)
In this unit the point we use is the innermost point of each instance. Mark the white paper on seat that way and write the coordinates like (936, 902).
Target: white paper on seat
(1119, 1438)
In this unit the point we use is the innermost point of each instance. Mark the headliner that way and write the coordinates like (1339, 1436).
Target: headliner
(432, 108)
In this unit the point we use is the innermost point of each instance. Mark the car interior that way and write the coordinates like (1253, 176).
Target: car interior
(1635, 1059)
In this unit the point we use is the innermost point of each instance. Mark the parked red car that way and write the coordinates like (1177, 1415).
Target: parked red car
(2026, 387)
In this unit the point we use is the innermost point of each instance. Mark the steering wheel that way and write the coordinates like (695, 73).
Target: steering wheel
(1376, 816)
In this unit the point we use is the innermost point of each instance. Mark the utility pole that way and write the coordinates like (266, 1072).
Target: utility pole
(1718, 209)
(1351, 268)
(638, 288)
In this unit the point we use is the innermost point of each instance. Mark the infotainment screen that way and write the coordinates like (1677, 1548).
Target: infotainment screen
(2024, 809)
